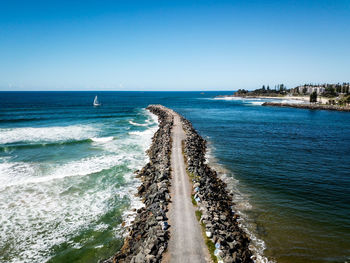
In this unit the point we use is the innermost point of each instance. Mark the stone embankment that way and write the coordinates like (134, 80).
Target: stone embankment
(148, 237)
(308, 106)
(214, 202)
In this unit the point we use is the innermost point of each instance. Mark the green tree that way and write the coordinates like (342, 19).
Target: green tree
(313, 97)
(347, 100)
(330, 92)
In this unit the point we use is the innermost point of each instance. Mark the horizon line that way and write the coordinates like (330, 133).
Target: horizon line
(116, 90)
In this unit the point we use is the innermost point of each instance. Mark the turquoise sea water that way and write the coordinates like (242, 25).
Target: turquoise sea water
(67, 182)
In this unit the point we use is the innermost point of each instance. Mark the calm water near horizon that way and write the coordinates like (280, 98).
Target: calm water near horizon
(67, 181)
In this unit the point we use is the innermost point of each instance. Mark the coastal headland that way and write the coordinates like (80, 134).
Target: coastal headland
(188, 213)
(334, 97)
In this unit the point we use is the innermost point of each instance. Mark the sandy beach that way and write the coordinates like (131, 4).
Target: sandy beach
(323, 100)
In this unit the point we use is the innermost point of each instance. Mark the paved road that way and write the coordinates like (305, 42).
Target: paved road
(186, 242)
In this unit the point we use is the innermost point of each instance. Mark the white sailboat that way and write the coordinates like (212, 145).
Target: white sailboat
(96, 102)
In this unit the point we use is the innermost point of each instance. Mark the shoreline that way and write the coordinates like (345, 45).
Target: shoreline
(305, 99)
(291, 102)
(308, 106)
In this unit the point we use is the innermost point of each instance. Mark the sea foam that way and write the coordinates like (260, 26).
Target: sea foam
(48, 134)
(44, 205)
(103, 139)
(227, 98)
(138, 124)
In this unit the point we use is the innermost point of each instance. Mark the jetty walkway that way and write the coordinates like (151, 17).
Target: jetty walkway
(166, 229)
(186, 243)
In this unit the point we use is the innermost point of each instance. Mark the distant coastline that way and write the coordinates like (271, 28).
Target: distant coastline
(307, 96)
(309, 106)
(302, 99)
(290, 101)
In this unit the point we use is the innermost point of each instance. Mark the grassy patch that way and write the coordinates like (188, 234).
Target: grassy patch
(193, 201)
(191, 175)
(210, 244)
(198, 215)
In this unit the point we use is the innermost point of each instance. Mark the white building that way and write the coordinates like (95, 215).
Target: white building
(310, 89)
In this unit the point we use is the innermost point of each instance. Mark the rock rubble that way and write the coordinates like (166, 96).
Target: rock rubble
(308, 106)
(148, 237)
(214, 202)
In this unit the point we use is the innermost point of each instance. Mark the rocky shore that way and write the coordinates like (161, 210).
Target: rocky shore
(308, 106)
(214, 202)
(148, 235)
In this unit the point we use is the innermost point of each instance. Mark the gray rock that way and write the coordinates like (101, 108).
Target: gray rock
(140, 258)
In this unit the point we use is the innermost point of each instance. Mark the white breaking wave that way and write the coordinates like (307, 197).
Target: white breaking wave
(227, 98)
(19, 173)
(138, 124)
(260, 101)
(120, 151)
(38, 217)
(47, 134)
(256, 102)
(14, 172)
(103, 139)
(249, 101)
(292, 101)
(43, 205)
(252, 101)
(144, 136)
(151, 119)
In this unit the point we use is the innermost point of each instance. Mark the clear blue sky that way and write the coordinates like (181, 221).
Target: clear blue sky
(172, 45)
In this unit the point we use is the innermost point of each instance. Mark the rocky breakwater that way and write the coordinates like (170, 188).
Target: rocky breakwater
(148, 235)
(308, 106)
(214, 203)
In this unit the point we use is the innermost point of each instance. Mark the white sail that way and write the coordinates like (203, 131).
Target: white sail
(96, 103)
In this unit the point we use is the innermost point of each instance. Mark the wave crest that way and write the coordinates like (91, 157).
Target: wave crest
(47, 134)
(102, 139)
(138, 124)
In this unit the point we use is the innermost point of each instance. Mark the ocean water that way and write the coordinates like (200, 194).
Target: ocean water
(67, 172)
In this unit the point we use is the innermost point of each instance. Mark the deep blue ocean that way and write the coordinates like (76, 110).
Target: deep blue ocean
(67, 177)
